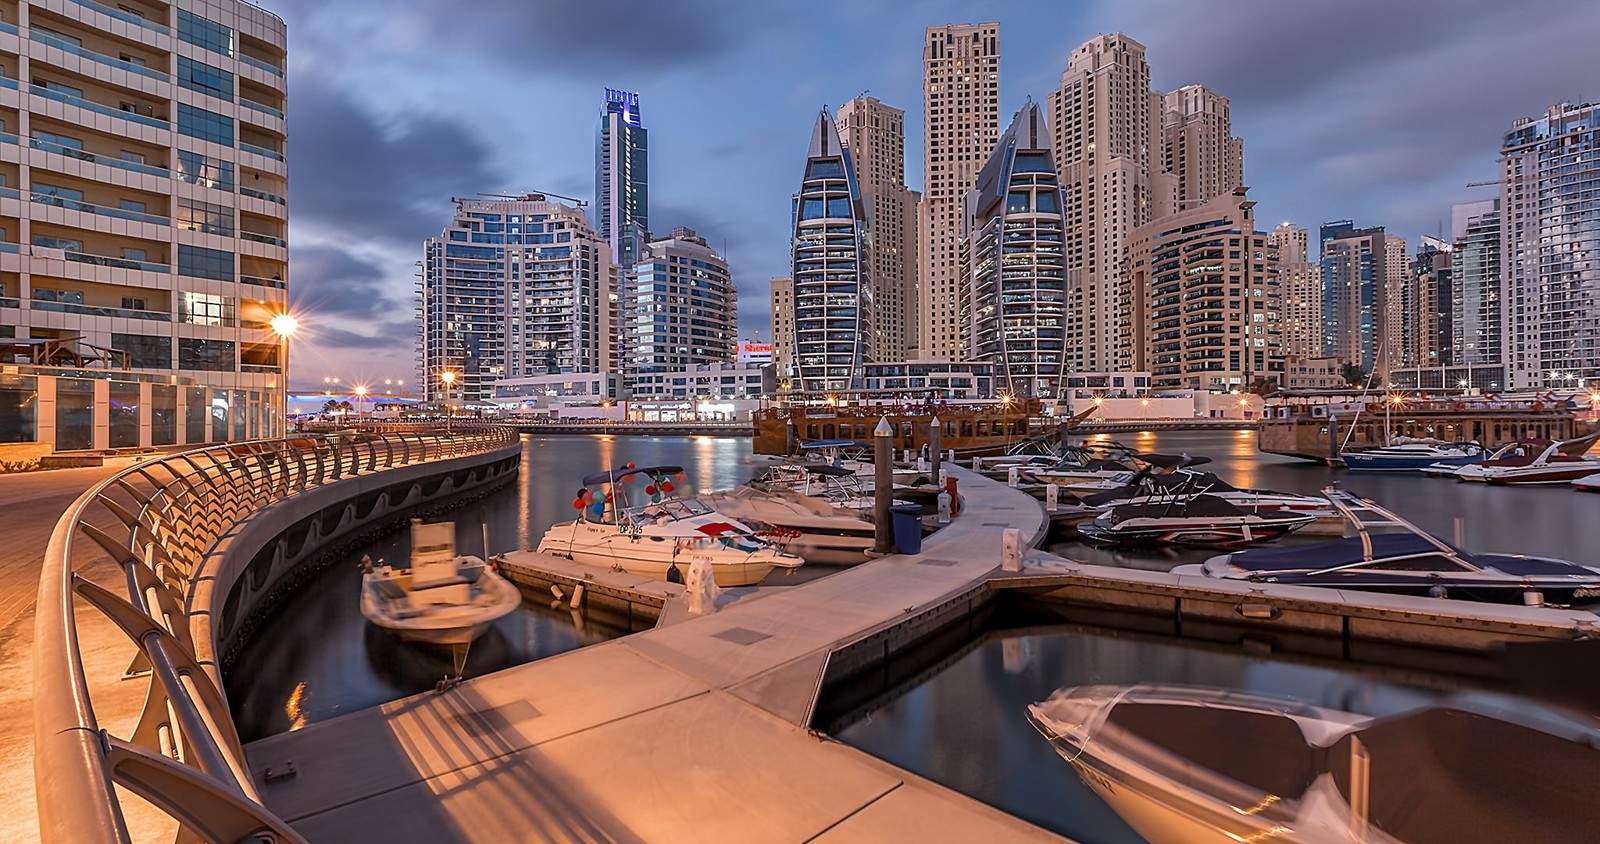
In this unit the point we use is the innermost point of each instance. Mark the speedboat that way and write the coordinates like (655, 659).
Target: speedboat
(665, 534)
(1199, 520)
(1406, 456)
(1193, 764)
(1587, 483)
(442, 598)
(1511, 451)
(819, 524)
(1411, 562)
(1558, 463)
(1146, 488)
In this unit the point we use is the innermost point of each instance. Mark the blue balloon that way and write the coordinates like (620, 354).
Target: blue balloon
(599, 508)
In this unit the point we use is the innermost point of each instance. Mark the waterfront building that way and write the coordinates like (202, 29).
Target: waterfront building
(1475, 319)
(1313, 373)
(713, 382)
(831, 268)
(960, 122)
(1363, 271)
(1197, 146)
(875, 135)
(1013, 234)
(1551, 231)
(1425, 311)
(1204, 299)
(1105, 133)
(143, 225)
(1300, 280)
(581, 386)
(622, 177)
(514, 288)
(781, 297)
(679, 306)
(915, 380)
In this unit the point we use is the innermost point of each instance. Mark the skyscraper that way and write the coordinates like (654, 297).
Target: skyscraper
(683, 307)
(147, 224)
(1363, 274)
(622, 177)
(1551, 233)
(961, 122)
(875, 135)
(1197, 146)
(1426, 331)
(782, 298)
(1105, 132)
(1475, 317)
(831, 268)
(1203, 296)
(514, 288)
(1300, 279)
(1013, 246)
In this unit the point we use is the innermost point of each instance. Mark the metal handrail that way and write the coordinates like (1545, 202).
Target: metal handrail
(184, 755)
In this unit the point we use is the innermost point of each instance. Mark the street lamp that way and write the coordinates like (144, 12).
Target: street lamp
(284, 325)
(361, 401)
(449, 378)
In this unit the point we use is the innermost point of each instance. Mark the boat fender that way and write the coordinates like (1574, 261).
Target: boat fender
(1438, 590)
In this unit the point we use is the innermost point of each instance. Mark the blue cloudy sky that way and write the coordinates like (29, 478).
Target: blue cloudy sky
(1376, 111)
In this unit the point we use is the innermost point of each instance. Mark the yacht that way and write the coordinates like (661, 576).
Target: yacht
(1474, 471)
(822, 523)
(1410, 562)
(1558, 463)
(1402, 455)
(1588, 483)
(663, 535)
(1146, 488)
(442, 598)
(1197, 520)
(1194, 764)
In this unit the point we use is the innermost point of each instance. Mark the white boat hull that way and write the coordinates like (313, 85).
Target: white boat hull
(604, 546)
(442, 625)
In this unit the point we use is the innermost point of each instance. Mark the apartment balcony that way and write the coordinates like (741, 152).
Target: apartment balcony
(108, 62)
(70, 101)
(140, 23)
(100, 210)
(78, 154)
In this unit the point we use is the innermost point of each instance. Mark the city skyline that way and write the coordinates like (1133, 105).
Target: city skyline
(388, 134)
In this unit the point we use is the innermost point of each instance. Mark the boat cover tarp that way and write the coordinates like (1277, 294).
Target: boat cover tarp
(1326, 555)
(1445, 776)
(1529, 566)
(1197, 506)
(1265, 751)
(826, 469)
(619, 474)
(1172, 461)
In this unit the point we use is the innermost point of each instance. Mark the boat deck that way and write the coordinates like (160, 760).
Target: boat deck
(690, 732)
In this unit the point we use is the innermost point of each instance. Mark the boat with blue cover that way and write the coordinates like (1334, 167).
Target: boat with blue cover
(1413, 455)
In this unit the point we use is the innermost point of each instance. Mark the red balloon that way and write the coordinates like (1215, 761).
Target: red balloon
(629, 466)
(666, 486)
(681, 477)
(650, 489)
(577, 503)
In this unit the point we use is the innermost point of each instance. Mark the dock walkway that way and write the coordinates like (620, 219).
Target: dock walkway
(689, 732)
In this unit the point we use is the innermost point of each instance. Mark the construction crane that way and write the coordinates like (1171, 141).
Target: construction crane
(532, 196)
(1483, 184)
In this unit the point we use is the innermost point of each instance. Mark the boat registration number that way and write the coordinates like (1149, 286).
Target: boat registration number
(1586, 592)
(1095, 780)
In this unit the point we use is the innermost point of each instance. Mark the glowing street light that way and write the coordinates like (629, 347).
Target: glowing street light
(361, 401)
(449, 378)
(284, 325)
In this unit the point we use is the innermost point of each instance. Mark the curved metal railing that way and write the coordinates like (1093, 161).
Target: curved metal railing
(184, 755)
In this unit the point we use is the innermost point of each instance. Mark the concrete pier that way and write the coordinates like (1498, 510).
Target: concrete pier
(694, 731)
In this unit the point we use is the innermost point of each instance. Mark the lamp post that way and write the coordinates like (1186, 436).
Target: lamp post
(284, 325)
(449, 378)
(361, 402)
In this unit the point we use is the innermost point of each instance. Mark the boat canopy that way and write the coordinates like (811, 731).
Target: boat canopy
(1171, 461)
(836, 444)
(1333, 553)
(618, 474)
(826, 469)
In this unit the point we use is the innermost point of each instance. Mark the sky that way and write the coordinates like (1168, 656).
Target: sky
(1369, 110)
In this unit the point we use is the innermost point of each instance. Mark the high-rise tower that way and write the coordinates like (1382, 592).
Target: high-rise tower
(622, 177)
(1475, 318)
(683, 308)
(875, 135)
(1197, 146)
(1301, 282)
(1105, 131)
(1363, 275)
(1014, 229)
(831, 268)
(961, 122)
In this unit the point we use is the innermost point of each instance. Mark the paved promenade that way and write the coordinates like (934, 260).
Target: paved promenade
(30, 504)
(692, 732)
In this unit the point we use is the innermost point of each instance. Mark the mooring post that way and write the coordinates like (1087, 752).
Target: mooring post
(933, 447)
(882, 486)
(791, 442)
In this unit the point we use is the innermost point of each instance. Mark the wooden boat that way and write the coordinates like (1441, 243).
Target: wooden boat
(1320, 428)
(970, 430)
(443, 598)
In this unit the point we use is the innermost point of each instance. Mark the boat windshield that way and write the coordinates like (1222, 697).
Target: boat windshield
(673, 509)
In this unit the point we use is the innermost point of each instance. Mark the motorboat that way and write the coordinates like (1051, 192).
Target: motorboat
(1408, 562)
(813, 524)
(1587, 483)
(1146, 488)
(1405, 455)
(1514, 450)
(1196, 520)
(665, 534)
(443, 598)
(1194, 764)
(1558, 463)
(1081, 469)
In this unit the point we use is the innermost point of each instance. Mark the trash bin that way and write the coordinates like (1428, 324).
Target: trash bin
(907, 522)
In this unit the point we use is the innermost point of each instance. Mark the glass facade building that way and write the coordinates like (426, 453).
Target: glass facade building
(1013, 247)
(513, 288)
(679, 307)
(1550, 196)
(1475, 330)
(622, 177)
(830, 269)
(143, 221)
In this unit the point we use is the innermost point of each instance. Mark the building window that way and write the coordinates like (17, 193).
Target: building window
(197, 169)
(134, 303)
(144, 352)
(205, 217)
(212, 355)
(206, 125)
(199, 76)
(199, 262)
(205, 33)
(206, 309)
